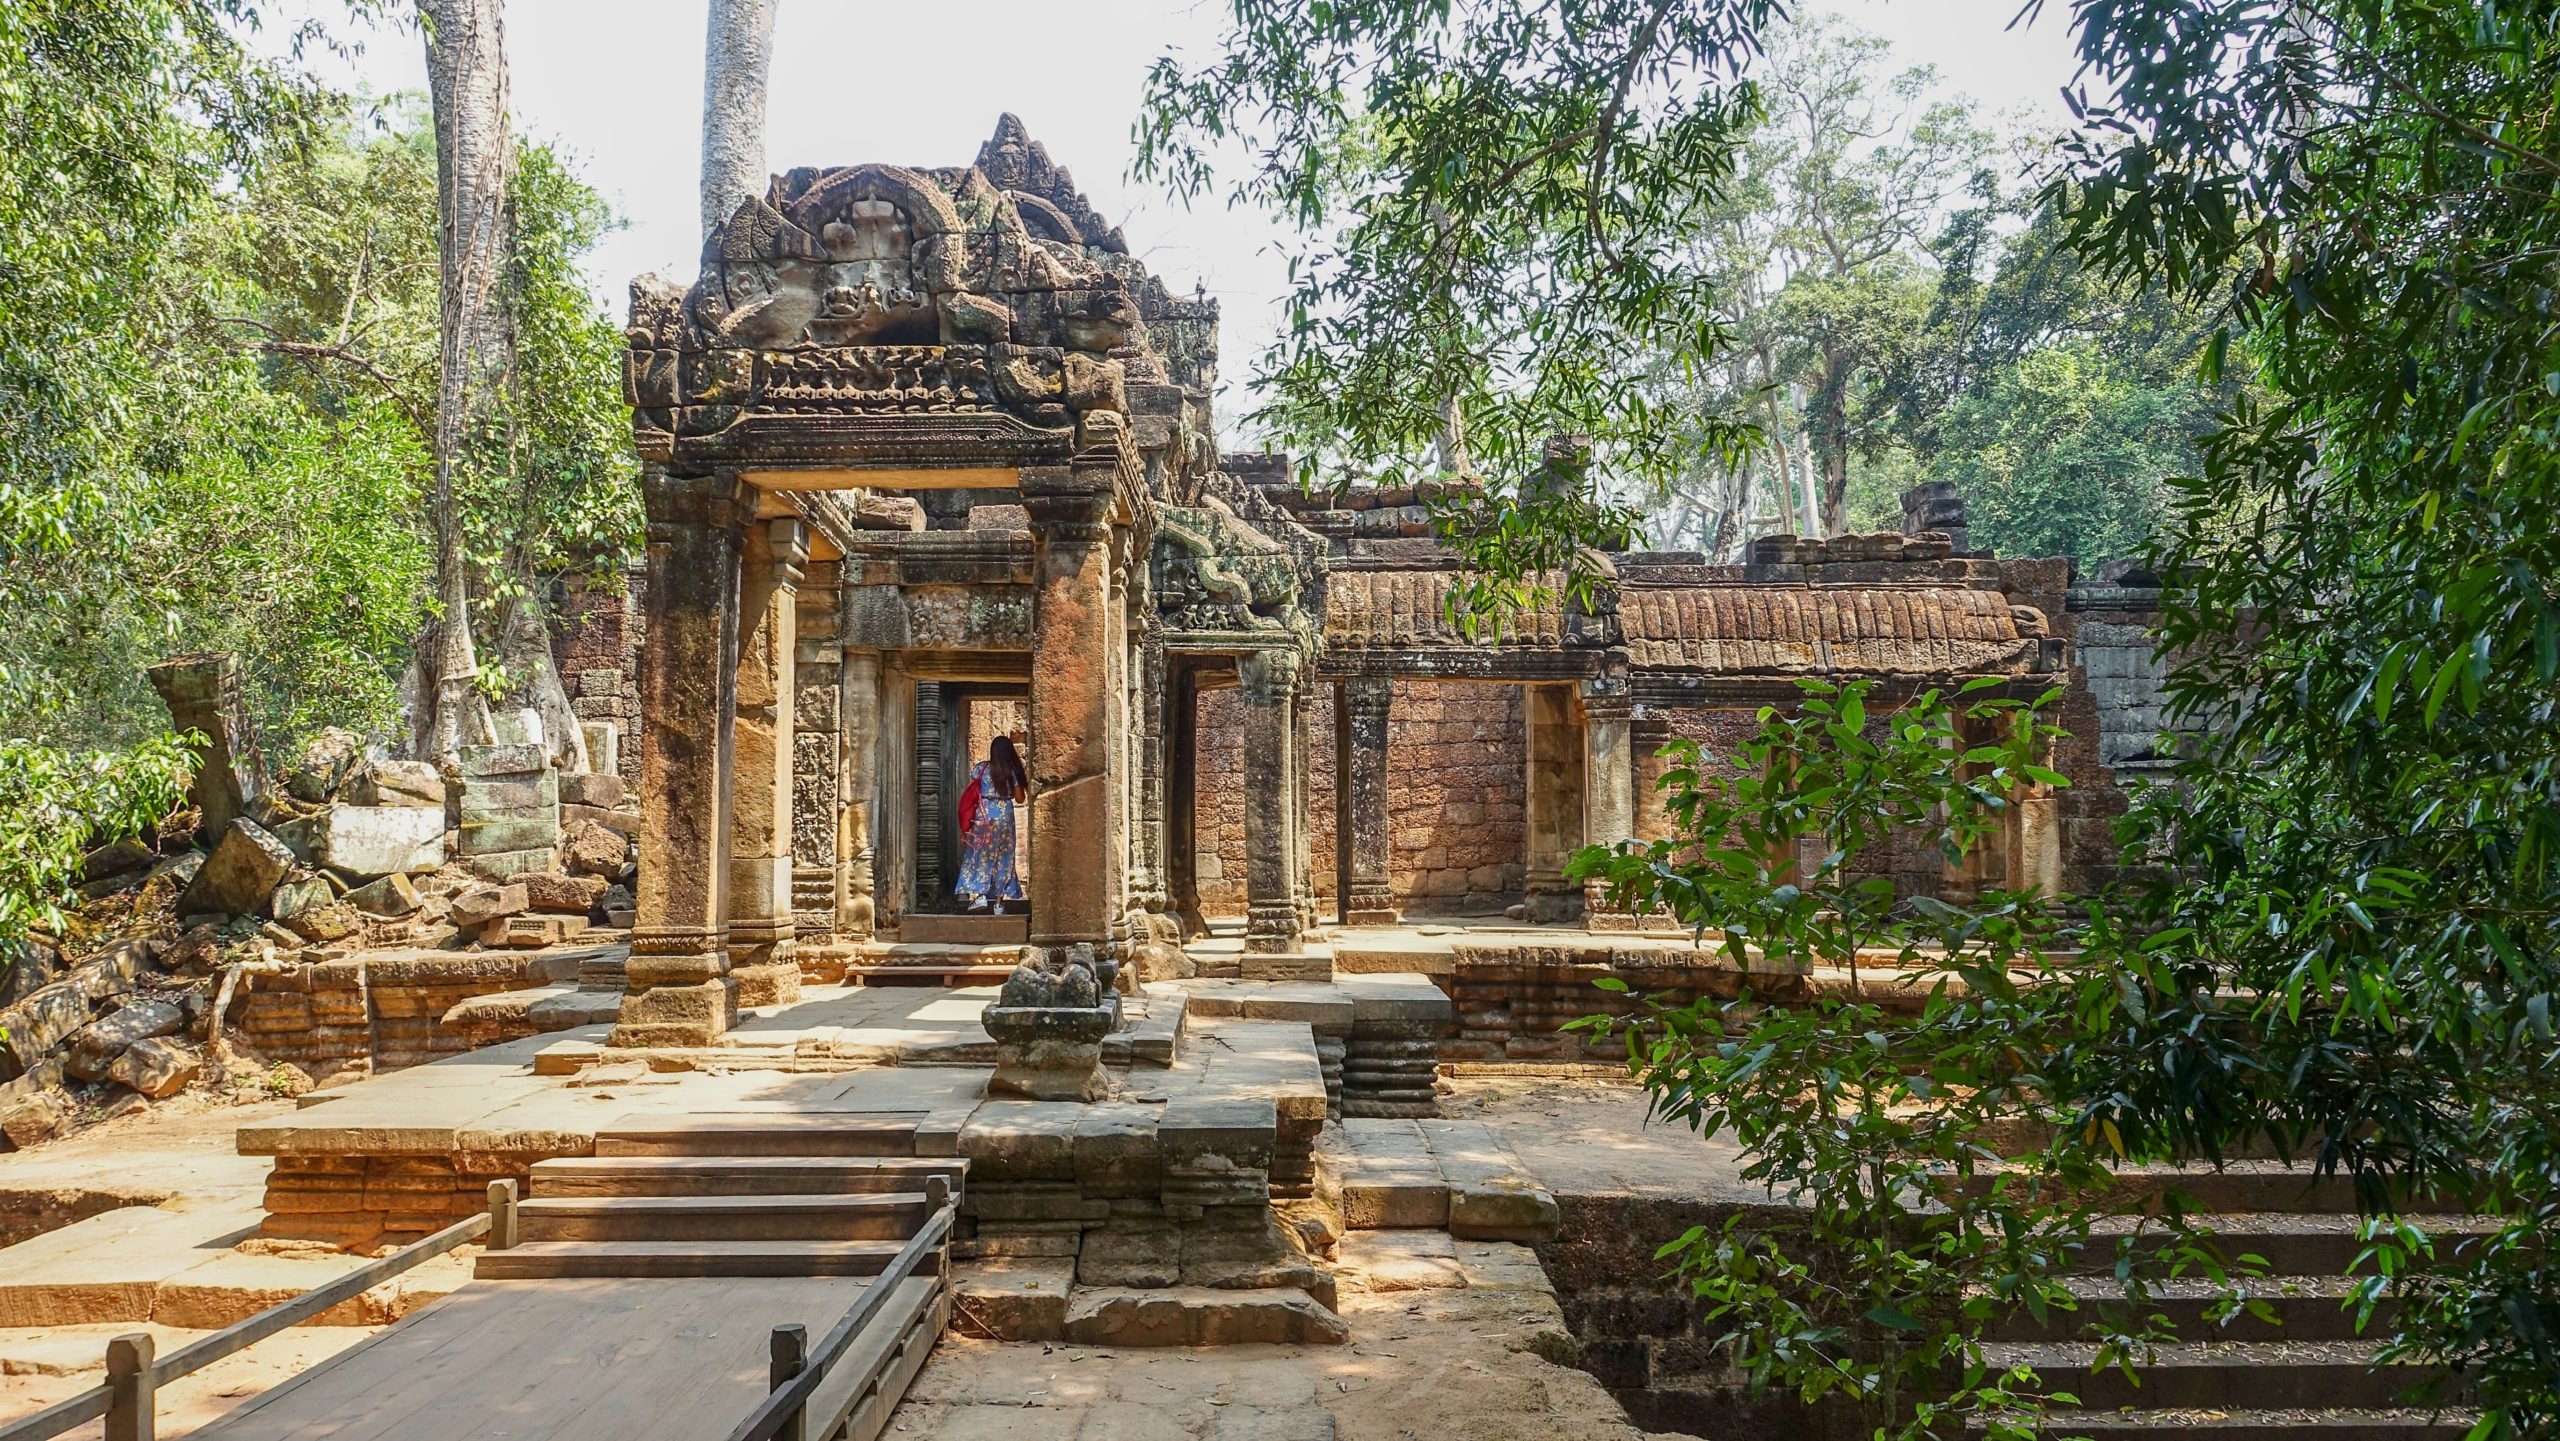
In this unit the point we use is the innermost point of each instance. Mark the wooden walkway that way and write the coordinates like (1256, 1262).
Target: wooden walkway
(634, 1360)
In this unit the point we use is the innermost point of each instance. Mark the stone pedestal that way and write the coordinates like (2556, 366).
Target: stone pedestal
(1273, 923)
(760, 923)
(1554, 804)
(1049, 1053)
(678, 990)
(1071, 741)
(1369, 896)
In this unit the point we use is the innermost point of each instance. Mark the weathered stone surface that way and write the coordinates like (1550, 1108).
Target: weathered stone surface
(203, 696)
(156, 1067)
(299, 894)
(530, 930)
(600, 789)
(390, 897)
(1197, 1316)
(361, 842)
(396, 783)
(483, 904)
(325, 923)
(507, 865)
(588, 849)
(1049, 1053)
(552, 891)
(96, 1045)
(325, 761)
(1012, 1300)
(34, 1117)
(32, 1028)
(240, 877)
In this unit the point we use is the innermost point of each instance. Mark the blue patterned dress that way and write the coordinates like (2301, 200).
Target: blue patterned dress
(987, 870)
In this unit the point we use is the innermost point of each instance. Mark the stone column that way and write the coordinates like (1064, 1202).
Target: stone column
(678, 991)
(1149, 880)
(1362, 814)
(817, 776)
(760, 924)
(1070, 708)
(1182, 800)
(1272, 919)
(1554, 802)
(893, 805)
(1608, 786)
(1301, 825)
(858, 732)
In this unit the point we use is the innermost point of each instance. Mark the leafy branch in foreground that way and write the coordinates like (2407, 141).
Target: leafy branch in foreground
(1497, 179)
(1901, 1075)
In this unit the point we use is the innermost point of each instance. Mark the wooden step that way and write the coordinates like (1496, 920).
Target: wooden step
(740, 1175)
(549, 1260)
(778, 1134)
(878, 1216)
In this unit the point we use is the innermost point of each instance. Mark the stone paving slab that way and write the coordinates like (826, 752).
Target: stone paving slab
(1392, 1174)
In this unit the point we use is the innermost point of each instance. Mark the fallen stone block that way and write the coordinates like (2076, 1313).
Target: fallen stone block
(32, 1118)
(241, 875)
(589, 849)
(95, 1046)
(297, 895)
(322, 924)
(483, 904)
(552, 891)
(360, 842)
(1199, 1316)
(34, 1027)
(390, 897)
(507, 865)
(599, 789)
(530, 931)
(396, 783)
(156, 1067)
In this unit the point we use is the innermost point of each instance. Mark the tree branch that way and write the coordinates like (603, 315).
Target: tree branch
(306, 351)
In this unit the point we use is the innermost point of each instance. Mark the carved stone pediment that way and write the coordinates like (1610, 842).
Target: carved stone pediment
(1215, 572)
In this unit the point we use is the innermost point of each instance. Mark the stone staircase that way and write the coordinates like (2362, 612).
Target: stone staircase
(2303, 1373)
(761, 1195)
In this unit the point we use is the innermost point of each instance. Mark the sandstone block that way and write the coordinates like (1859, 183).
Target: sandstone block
(241, 875)
(1012, 1300)
(588, 849)
(483, 904)
(503, 760)
(493, 837)
(33, 1118)
(156, 1067)
(325, 923)
(552, 891)
(1198, 1316)
(600, 789)
(396, 783)
(361, 842)
(507, 865)
(31, 1029)
(390, 897)
(298, 895)
(95, 1046)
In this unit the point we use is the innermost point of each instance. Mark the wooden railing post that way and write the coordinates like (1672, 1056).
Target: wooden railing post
(790, 1358)
(502, 1215)
(937, 1192)
(132, 1401)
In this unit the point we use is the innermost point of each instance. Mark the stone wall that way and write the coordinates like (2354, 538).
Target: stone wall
(595, 646)
(381, 1012)
(1457, 794)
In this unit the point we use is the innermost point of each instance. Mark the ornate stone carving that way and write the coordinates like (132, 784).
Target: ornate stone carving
(1213, 572)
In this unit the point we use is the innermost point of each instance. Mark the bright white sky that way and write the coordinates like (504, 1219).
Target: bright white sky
(617, 84)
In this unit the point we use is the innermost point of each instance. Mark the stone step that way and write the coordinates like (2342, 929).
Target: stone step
(2255, 1187)
(2290, 1243)
(878, 1216)
(2306, 1308)
(1199, 1316)
(1433, 1174)
(2220, 1375)
(550, 1260)
(781, 1134)
(987, 974)
(2261, 1425)
(921, 928)
(739, 1175)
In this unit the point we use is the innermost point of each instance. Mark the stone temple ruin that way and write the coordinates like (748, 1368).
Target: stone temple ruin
(928, 459)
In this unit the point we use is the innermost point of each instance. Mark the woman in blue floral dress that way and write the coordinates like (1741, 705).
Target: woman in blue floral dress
(986, 871)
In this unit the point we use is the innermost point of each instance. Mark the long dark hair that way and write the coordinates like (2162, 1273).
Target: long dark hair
(1004, 768)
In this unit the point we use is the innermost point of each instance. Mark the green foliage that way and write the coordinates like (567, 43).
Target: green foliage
(2369, 940)
(1922, 1120)
(1496, 178)
(55, 804)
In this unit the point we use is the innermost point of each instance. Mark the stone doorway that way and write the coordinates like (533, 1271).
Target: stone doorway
(955, 724)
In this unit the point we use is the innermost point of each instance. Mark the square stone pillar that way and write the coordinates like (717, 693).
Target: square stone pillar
(1071, 740)
(1361, 820)
(760, 924)
(1554, 825)
(1301, 827)
(858, 732)
(1271, 863)
(1650, 732)
(1608, 786)
(677, 986)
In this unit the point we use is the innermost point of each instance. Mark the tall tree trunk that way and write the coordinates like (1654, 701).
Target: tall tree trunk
(467, 76)
(1827, 434)
(737, 56)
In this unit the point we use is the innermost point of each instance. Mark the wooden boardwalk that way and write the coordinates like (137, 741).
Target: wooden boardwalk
(634, 1360)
